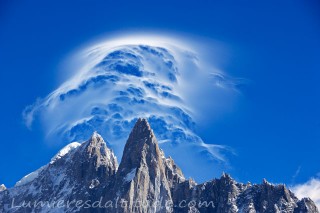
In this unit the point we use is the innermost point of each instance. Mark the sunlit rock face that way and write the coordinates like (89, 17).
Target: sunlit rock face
(125, 82)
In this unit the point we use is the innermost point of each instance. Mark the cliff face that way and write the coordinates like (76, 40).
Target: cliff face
(86, 178)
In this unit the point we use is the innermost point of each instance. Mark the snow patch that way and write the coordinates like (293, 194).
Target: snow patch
(94, 183)
(65, 150)
(30, 177)
(2, 187)
(33, 175)
(129, 177)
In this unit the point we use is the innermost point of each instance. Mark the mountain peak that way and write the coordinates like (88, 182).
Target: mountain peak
(144, 173)
(142, 151)
(96, 138)
(141, 130)
(97, 149)
(96, 146)
(226, 177)
(141, 143)
(95, 134)
(143, 121)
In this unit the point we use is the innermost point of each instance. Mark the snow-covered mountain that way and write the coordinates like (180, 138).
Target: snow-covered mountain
(86, 178)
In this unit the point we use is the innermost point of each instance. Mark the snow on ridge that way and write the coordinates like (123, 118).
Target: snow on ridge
(65, 150)
(33, 175)
(30, 177)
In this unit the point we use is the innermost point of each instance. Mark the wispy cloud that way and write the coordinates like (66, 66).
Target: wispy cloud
(295, 175)
(28, 113)
(223, 80)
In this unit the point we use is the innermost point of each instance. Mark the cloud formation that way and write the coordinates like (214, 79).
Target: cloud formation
(309, 189)
(159, 78)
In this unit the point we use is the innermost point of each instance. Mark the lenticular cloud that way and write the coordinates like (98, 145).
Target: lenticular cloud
(123, 80)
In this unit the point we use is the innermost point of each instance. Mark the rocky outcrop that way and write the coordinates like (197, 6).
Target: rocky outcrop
(86, 178)
(305, 205)
(2, 187)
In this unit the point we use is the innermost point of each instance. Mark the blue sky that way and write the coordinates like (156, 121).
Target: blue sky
(274, 128)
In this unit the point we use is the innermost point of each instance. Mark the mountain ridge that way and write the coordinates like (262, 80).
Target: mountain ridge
(145, 181)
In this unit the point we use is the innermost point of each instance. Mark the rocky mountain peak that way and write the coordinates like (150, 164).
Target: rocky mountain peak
(96, 146)
(96, 138)
(141, 133)
(144, 172)
(141, 147)
(142, 152)
(95, 141)
(95, 158)
(226, 177)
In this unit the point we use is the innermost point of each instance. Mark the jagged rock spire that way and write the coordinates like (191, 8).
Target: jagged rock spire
(142, 150)
(143, 171)
(141, 143)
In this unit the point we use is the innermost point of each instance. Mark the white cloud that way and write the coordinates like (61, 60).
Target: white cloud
(165, 80)
(309, 189)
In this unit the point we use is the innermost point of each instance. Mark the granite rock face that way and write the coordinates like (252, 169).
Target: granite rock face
(86, 178)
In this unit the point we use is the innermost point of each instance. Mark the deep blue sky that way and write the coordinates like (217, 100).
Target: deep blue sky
(275, 127)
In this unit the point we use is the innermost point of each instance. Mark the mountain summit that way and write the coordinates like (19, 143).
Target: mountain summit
(86, 178)
(144, 172)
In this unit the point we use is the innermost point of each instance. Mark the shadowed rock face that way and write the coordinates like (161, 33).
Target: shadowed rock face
(145, 181)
